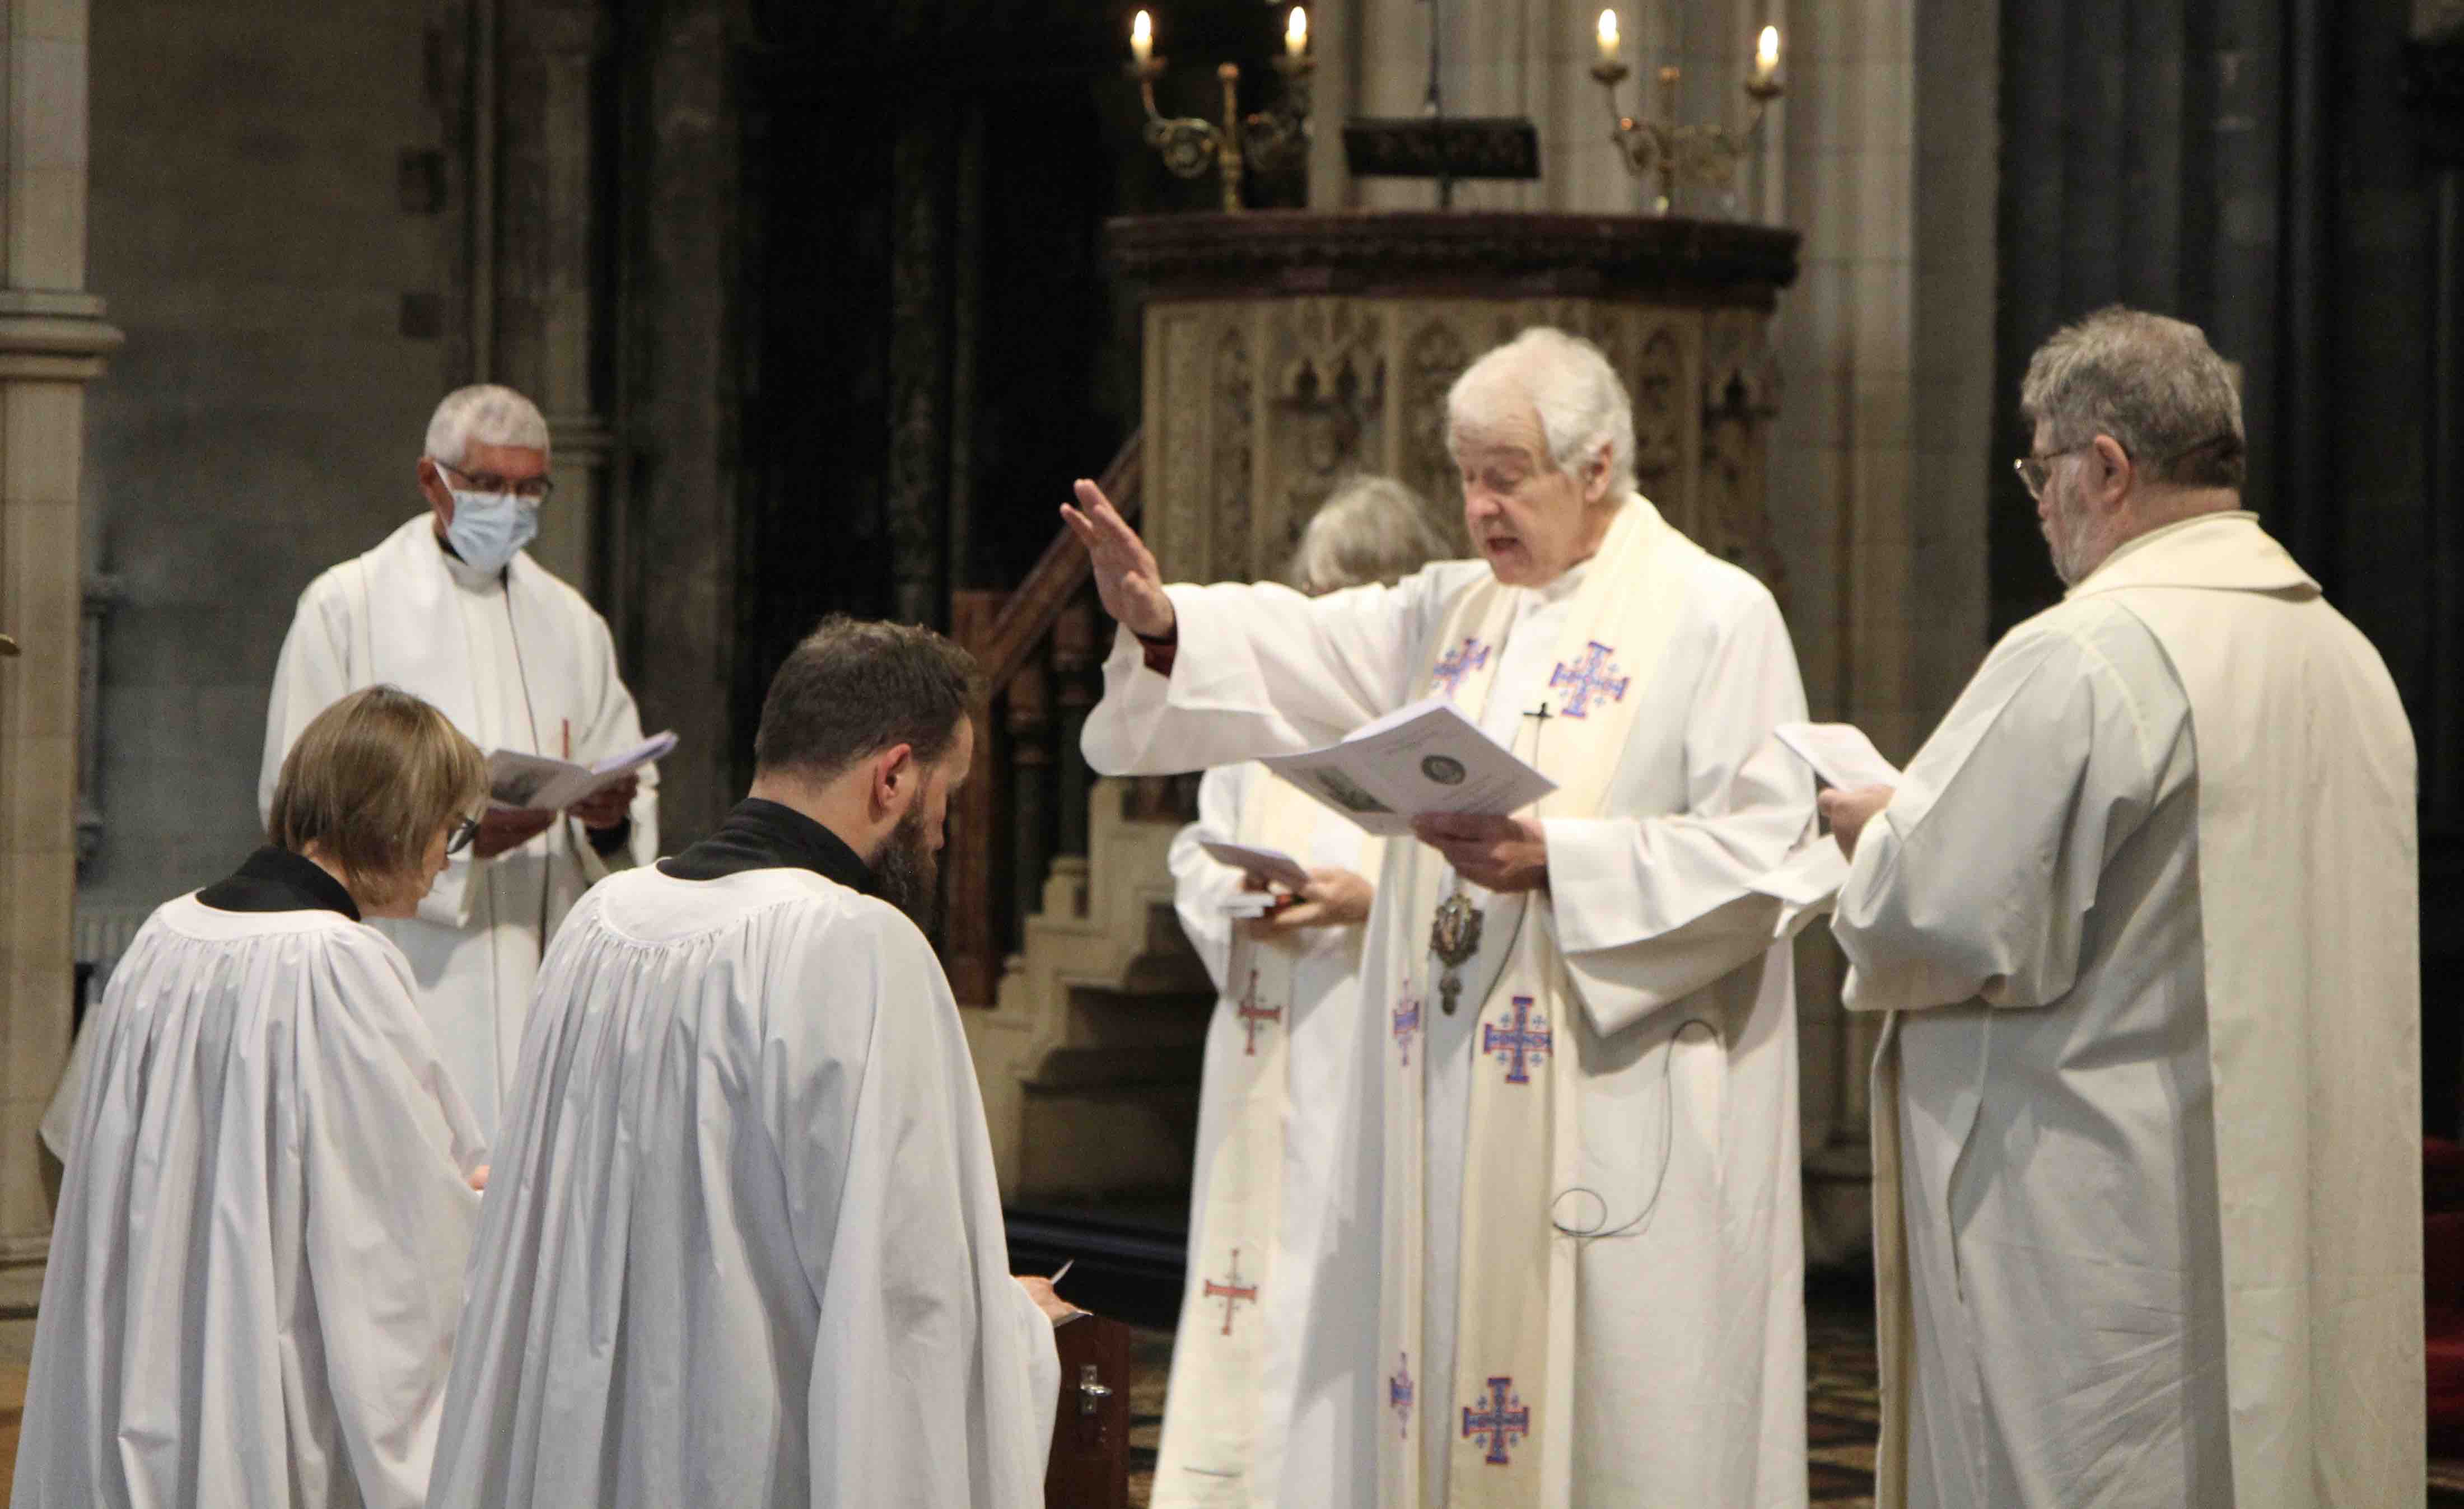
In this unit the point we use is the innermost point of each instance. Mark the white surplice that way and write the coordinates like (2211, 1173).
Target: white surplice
(744, 1244)
(518, 661)
(1315, 1407)
(2146, 1123)
(257, 1263)
(1689, 1367)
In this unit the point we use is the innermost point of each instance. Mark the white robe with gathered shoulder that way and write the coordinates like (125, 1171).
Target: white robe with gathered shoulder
(518, 661)
(744, 1244)
(257, 1263)
(1689, 1381)
(1315, 1412)
(2147, 1118)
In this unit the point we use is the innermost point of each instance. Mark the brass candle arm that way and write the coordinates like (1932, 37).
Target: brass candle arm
(1275, 139)
(1705, 154)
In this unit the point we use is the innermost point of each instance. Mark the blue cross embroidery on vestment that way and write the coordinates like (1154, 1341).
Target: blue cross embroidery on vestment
(1458, 663)
(1504, 1419)
(1407, 1021)
(1594, 678)
(1521, 1045)
(1398, 1396)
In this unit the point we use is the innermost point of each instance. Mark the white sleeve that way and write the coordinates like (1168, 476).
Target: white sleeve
(311, 674)
(1976, 880)
(1648, 910)
(1261, 670)
(388, 1215)
(1201, 884)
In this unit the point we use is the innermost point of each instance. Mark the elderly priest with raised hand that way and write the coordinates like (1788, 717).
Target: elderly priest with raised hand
(2147, 1124)
(1591, 1287)
(744, 1246)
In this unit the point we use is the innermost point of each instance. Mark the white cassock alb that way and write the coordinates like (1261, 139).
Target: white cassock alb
(1685, 1367)
(744, 1244)
(2146, 1122)
(257, 1263)
(1290, 1412)
(518, 661)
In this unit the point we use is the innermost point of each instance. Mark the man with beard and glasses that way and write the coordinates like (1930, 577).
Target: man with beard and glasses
(745, 1247)
(2148, 1109)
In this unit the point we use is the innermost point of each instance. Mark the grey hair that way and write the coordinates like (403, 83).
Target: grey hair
(1369, 529)
(2152, 383)
(483, 414)
(1569, 381)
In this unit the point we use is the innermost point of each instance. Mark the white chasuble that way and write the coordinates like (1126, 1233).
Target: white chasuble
(1263, 1407)
(2145, 1116)
(518, 661)
(1615, 1231)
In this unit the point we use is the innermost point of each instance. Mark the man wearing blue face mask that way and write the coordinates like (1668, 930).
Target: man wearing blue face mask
(450, 608)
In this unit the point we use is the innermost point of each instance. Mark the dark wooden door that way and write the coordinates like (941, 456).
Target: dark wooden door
(1089, 1468)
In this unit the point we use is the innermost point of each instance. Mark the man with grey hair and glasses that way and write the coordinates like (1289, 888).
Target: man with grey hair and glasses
(2146, 1111)
(1589, 1288)
(450, 608)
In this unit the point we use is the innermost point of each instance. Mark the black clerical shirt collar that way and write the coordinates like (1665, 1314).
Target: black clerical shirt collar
(277, 880)
(765, 836)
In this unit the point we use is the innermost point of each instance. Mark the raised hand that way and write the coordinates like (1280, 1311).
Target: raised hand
(1126, 576)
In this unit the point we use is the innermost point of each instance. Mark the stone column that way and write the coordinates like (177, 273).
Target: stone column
(52, 341)
(549, 225)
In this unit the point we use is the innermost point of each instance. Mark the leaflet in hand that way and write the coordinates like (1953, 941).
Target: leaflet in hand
(1424, 758)
(1840, 754)
(515, 779)
(1273, 864)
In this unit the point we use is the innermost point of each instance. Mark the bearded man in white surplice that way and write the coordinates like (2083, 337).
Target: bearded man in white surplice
(1281, 1199)
(2147, 1114)
(451, 607)
(1591, 1275)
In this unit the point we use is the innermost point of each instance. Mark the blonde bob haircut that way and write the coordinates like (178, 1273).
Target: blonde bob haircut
(372, 781)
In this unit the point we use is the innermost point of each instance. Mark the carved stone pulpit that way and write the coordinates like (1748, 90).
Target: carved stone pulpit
(1286, 350)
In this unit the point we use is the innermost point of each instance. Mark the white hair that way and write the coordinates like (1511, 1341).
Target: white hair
(1568, 382)
(483, 414)
(1368, 529)
(2152, 383)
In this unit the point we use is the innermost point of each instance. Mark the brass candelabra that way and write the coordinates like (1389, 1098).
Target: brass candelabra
(1271, 140)
(1705, 154)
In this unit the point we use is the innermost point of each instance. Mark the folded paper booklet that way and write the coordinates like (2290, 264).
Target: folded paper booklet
(1840, 754)
(1272, 864)
(1251, 903)
(515, 779)
(1424, 758)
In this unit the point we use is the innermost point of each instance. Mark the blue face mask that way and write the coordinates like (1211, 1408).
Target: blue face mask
(489, 527)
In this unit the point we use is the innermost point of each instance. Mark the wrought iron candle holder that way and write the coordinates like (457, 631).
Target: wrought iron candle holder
(1272, 140)
(1705, 154)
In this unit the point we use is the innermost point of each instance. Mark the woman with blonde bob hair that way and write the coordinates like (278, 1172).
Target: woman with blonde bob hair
(271, 1186)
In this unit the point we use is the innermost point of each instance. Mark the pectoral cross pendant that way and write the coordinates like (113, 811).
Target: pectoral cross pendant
(1454, 937)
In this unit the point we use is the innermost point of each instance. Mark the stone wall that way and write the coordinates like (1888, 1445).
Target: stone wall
(263, 227)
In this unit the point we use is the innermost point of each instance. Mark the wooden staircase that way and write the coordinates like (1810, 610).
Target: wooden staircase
(1085, 1008)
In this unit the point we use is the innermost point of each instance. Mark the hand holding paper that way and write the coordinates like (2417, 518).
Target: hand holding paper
(541, 784)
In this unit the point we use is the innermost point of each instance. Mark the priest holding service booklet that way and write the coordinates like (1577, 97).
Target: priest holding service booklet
(1589, 1284)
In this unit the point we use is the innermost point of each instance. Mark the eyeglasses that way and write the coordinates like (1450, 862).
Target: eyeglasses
(2033, 473)
(535, 489)
(462, 834)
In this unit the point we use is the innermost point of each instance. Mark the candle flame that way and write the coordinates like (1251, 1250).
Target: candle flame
(1296, 34)
(1767, 51)
(1608, 30)
(1142, 28)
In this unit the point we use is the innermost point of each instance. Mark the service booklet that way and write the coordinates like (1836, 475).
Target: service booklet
(1273, 864)
(535, 781)
(1424, 758)
(1840, 754)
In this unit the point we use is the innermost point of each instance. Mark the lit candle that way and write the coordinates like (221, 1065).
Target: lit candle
(1608, 36)
(1767, 56)
(1296, 34)
(1142, 37)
